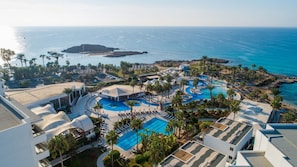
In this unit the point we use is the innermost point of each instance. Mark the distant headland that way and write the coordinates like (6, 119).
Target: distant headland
(101, 50)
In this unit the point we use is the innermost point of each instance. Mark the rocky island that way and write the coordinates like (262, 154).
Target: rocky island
(101, 50)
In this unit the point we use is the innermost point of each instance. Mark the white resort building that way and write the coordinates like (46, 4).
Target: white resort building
(228, 137)
(194, 153)
(274, 146)
(22, 143)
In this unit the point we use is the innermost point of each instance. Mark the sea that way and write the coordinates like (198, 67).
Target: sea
(273, 48)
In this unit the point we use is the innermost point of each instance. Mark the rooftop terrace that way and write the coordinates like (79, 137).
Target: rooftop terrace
(256, 159)
(193, 154)
(228, 130)
(284, 136)
(9, 117)
(29, 96)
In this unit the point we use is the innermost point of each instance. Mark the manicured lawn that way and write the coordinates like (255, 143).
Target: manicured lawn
(87, 158)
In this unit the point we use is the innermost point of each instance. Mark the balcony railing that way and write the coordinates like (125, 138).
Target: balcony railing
(37, 131)
(44, 163)
(40, 148)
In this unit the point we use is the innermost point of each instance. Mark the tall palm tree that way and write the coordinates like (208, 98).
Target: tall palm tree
(220, 98)
(133, 84)
(171, 126)
(136, 125)
(42, 56)
(167, 86)
(20, 57)
(149, 88)
(234, 107)
(58, 145)
(210, 87)
(111, 138)
(157, 153)
(131, 103)
(182, 84)
(177, 101)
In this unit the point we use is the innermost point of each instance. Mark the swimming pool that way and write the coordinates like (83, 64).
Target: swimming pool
(112, 105)
(128, 140)
(204, 91)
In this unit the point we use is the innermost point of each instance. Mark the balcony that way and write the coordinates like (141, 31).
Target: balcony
(37, 131)
(39, 135)
(41, 151)
(44, 163)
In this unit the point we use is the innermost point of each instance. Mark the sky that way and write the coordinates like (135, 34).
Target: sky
(243, 13)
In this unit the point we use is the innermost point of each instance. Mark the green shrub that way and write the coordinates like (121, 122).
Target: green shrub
(146, 155)
(139, 158)
(107, 160)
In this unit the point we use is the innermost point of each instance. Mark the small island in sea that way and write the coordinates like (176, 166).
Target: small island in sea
(92, 49)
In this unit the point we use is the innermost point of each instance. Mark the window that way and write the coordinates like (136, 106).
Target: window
(231, 148)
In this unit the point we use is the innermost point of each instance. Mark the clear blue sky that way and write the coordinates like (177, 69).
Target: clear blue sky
(263, 13)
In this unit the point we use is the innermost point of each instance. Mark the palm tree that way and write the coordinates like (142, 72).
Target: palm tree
(231, 93)
(171, 126)
(42, 56)
(234, 107)
(25, 61)
(97, 106)
(182, 83)
(132, 84)
(20, 57)
(167, 86)
(111, 138)
(149, 88)
(58, 145)
(6, 55)
(210, 87)
(177, 100)
(131, 103)
(220, 98)
(195, 82)
(156, 150)
(136, 125)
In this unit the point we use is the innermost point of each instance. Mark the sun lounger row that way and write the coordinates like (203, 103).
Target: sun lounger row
(138, 113)
(123, 128)
(169, 116)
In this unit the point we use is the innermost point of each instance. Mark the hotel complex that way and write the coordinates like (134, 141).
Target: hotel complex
(22, 143)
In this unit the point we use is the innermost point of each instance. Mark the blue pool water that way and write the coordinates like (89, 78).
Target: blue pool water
(205, 92)
(128, 140)
(112, 105)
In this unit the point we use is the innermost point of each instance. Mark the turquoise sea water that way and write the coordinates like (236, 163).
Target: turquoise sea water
(272, 48)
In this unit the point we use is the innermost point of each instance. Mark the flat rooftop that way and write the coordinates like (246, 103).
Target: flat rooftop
(8, 116)
(29, 96)
(193, 154)
(253, 113)
(228, 130)
(256, 159)
(284, 138)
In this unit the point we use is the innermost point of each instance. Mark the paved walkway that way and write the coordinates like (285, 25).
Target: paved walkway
(100, 159)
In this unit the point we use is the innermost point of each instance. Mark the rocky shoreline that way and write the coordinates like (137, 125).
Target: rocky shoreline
(101, 50)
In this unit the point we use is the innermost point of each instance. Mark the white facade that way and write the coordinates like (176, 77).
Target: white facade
(20, 144)
(278, 146)
(231, 139)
